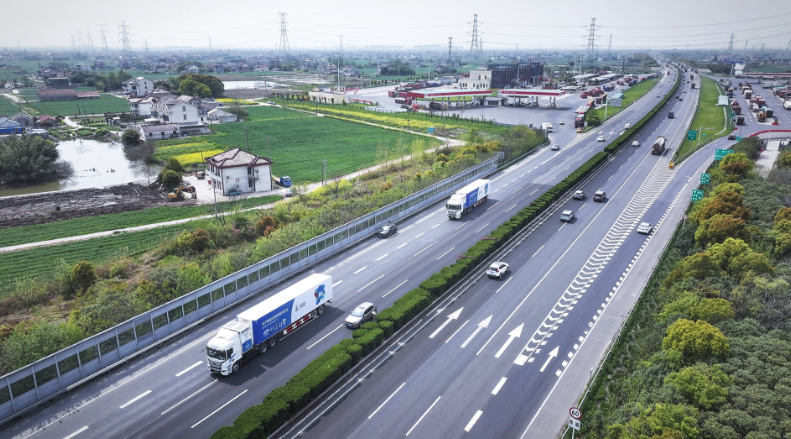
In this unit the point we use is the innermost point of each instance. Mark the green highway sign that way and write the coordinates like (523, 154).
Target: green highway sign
(705, 178)
(723, 151)
(738, 139)
(692, 135)
(704, 134)
(697, 195)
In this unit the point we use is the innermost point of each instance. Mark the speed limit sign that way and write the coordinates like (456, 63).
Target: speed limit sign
(575, 413)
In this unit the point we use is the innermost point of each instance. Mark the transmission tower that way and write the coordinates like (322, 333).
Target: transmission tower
(73, 43)
(124, 37)
(105, 47)
(591, 39)
(80, 41)
(762, 48)
(450, 46)
(609, 48)
(341, 49)
(145, 47)
(209, 45)
(474, 49)
(788, 49)
(730, 46)
(480, 48)
(283, 34)
(89, 40)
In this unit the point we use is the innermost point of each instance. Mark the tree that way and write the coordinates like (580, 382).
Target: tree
(170, 179)
(174, 165)
(702, 385)
(666, 421)
(719, 228)
(214, 83)
(82, 276)
(736, 258)
(201, 90)
(712, 310)
(696, 340)
(736, 164)
(27, 159)
(130, 137)
(783, 214)
(728, 187)
(594, 120)
(727, 203)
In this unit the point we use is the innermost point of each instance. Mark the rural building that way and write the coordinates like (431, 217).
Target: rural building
(138, 86)
(8, 126)
(59, 82)
(141, 106)
(218, 115)
(238, 170)
(178, 111)
(328, 98)
(158, 132)
(83, 67)
(45, 120)
(24, 120)
(192, 69)
(480, 78)
(56, 94)
(87, 95)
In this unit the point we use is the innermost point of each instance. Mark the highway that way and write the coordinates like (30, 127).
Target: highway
(171, 394)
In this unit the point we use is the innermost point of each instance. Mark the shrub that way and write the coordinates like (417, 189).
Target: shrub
(170, 178)
(130, 137)
(83, 276)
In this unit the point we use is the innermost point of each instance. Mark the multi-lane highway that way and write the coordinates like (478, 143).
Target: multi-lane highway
(171, 394)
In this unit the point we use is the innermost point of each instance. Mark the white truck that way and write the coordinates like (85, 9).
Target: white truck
(262, 326)
(547, 127)
(465, 199)
(787, 105)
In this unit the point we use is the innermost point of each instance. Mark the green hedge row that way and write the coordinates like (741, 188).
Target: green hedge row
(281, 404)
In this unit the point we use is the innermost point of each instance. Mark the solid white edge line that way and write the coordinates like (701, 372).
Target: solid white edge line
(462, 325)
(388, 399)
(396, 287)
(195, 393)
(328, 334)
(131, 401)
(499, 385)
(424, 415)
(473, 421)
(503, 286)
(221, 407)
(76, 432)
(189, 368)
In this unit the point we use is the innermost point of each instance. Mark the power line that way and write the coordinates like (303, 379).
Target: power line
(378, 28)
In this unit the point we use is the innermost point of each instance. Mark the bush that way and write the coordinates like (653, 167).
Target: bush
(83, 276)
(170, 179)
(174, 165)
(130, 137)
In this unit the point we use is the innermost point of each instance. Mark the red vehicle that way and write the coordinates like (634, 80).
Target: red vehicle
(391, 93)
(407, 101)
(584, 95)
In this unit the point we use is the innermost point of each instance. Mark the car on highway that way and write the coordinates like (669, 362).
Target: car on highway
(497, 269)
(645, 228)
(387, 230)
(566, 216)
(627, 126)
(561, 123)
(364, 312)
(555, 147)
(731, 137)
(600, 139)
(599, 196)
(635, 143)
(579, 195)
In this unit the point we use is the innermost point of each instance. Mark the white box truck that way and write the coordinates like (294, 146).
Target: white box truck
(262, 326)
(463, 200)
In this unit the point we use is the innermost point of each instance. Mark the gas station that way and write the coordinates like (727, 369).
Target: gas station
(446, 96)
(532, 96)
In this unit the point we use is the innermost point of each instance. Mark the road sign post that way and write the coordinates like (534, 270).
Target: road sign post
(574, 420)
(697, 195)
(692, 135)
(705, 178)
(719, 154)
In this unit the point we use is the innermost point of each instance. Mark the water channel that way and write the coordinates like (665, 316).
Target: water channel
(95, 164)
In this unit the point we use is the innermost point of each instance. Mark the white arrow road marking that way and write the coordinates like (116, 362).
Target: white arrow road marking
(552, 355)
(453, 316)
(483, 324)
(511, 336)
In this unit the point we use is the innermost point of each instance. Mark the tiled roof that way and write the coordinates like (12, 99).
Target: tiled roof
(237, 157)
(158, 128)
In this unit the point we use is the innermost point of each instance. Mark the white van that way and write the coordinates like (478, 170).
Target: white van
(547, 126)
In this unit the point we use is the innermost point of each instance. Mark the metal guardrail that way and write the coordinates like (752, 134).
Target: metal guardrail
(59, 372)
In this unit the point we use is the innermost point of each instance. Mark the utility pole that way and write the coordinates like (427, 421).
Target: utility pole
(209, 45)
(609, 48)
(450, 46)
(474, 49)
(283, 34)
(145, 47)
(105, 47)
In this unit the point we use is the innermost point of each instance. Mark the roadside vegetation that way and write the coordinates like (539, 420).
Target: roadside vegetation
(43, 305)
(709, 116)
(629, 96)
(706, 352)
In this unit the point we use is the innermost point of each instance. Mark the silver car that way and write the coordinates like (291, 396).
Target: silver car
(566, 216)
(645, 228)
(600, 139)
(363, 313)
(497, 269)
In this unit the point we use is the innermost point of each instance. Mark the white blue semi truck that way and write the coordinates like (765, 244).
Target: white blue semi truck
(465, 199)
(262, 326)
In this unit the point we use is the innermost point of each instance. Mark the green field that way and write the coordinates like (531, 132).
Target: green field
(7, 108)
(629, 96)
(708, 115)
(105, 103)
(101, 223)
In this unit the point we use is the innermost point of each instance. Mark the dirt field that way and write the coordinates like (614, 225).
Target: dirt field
(43, 208)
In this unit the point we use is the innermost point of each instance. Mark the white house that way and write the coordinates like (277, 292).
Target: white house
(179, 112)
(158, 132)
(192, 69)
(480, 78)
(220, 116)
(141, 106)
(84, 67)
(138, 86)
(238, 170)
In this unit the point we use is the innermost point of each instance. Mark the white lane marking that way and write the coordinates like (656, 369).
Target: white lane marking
(481, 228)
(509, 209)
(424, 415)
(360, 270)
(402, 283)
(503, 286)
(513, 180)
(473, 421)
(402, 245)
(221, 407)
(388, 399)
(369, 283)
(76, 432)
(531, 193)
(582, 207)
(435, 227)
(462, 325)
(189, 368)
(539, 249)
(465, 223)
(382, 257)
(421, 251)
(418, 236)
(131, 401)
(445, 253)
(337, 283)
(493, 205)
(328, 334)
(198, 391)
(611, 177)
(499, 386)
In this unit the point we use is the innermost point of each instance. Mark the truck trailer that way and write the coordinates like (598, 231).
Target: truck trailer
(262, 326)
(659, 146)
(465, 199)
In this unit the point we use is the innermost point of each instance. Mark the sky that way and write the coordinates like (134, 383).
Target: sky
(502, 25)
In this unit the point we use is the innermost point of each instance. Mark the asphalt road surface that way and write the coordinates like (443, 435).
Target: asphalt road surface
(171, 394)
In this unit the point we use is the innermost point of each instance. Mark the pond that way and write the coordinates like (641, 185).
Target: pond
(95, 164)
(232, 85)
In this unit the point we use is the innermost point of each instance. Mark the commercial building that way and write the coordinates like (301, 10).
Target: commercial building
(480, 78)
(523, 74)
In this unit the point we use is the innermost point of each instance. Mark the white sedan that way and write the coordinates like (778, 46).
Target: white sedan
(645, 228)
(600, 139)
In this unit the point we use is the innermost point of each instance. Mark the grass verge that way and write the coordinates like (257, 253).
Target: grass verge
(709, 116)
(629, 96)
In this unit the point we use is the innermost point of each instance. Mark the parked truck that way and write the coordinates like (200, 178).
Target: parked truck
(391, 93)
(659, 146)
(692, 86)
(739, 120)
(262, 326)
(465, 199)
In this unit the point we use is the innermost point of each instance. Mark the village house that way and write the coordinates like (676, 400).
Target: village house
(83, 67)
(24, 120)
(219, 116)
(192, 69)
(8, 126)
(480, 78)
(237, 170)
(141, 106)
(159, 132)
(138, 86)
(45, 120)
(56, 94)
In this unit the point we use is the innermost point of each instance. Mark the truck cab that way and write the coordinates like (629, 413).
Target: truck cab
(455, 206)
(226, 351)
(285, 181)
